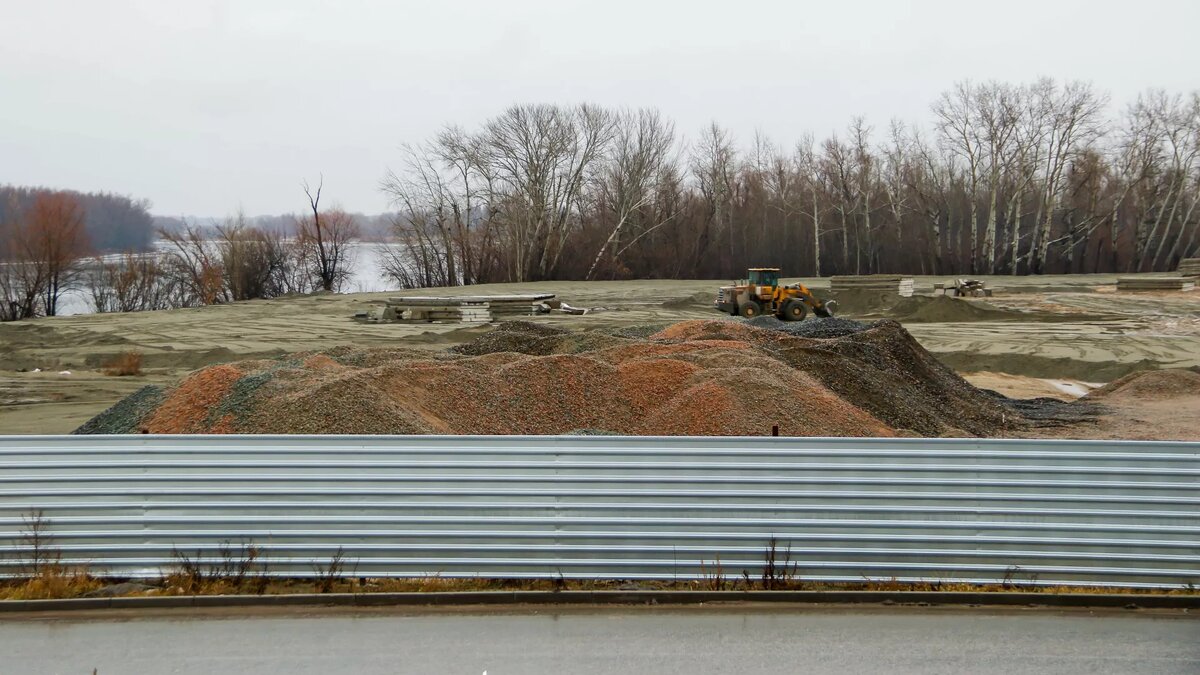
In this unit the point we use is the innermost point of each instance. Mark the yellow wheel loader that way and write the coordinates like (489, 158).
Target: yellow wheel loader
(760, 293)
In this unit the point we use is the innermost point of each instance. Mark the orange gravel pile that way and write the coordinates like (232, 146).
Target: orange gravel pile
(691, 378)
(186, 409)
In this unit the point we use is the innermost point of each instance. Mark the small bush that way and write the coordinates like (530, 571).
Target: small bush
(123, 364)
(43, 575)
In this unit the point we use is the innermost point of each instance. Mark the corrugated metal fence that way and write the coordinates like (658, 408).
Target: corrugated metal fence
(1047, 512)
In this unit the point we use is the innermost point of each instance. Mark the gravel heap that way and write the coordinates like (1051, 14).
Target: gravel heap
(535, 339)
(832, 327)
(882, 370)
(1150, 385)
(127, 415)
(639, 332)
(721, 377)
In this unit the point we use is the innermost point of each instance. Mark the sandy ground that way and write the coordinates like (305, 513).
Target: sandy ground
(1173, 419)
(1060, 336)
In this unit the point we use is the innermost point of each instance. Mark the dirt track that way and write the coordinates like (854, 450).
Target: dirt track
(1064, 328)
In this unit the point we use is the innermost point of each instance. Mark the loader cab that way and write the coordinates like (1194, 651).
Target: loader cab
(764, 276)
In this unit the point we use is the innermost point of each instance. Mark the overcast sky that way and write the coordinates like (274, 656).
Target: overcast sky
(203, 106)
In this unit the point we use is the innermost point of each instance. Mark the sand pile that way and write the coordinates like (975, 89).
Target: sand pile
(1149, 385)
(945, 309)
(924, 309)
(722, 377)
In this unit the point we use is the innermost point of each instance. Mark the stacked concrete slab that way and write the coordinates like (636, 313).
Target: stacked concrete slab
(1156, 284)
(875, 283)
(1189, 267)
(459, 309)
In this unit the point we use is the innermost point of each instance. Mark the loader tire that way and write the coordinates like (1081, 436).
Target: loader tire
(793, 310)
(749, 309)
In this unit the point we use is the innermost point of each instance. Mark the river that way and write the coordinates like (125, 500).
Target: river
(366, 277)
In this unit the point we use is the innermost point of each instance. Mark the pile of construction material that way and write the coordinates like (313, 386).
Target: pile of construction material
(1143, 283)
(427, 310)
(875, 283)
(460, 309)
(1189, 267)
(963, 288)
(692, 378)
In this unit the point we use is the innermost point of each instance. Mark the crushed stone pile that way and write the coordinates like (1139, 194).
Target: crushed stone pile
(815, 328)
(719, 377)
(534, 339)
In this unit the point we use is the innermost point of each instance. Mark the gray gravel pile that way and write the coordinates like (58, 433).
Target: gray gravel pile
(1048, 412)
(884, 371)
(810, 328)
(524, 337)
(639, 332)
(127, 415)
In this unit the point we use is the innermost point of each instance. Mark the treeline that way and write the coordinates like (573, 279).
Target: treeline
(207, 264)
(112, 223)
(1004, 179)
(371, 227)
(45, 251)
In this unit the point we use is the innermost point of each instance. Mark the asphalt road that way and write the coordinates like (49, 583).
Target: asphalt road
(607, 640)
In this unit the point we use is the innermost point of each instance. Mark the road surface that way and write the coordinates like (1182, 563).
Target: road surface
(608, 640)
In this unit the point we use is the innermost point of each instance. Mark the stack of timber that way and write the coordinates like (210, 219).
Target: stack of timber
(875, 283)
(1156, 284)
(1189, 267)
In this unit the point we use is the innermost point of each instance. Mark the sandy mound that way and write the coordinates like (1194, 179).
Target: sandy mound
(944, 309)
(1150, 385)
(721, 377)
(922, 308)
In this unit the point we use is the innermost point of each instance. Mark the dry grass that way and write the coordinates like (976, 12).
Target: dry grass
(236, 569)
(57, 582)
(126, 363)
(51, 583)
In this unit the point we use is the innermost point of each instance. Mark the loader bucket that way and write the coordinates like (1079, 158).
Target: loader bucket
(826, 310)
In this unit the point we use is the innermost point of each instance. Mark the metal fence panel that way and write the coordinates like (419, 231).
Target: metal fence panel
(1027, 511)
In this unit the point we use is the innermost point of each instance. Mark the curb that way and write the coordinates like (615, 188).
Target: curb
(919, 598)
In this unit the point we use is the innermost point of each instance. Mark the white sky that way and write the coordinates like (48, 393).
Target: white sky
(203, 106)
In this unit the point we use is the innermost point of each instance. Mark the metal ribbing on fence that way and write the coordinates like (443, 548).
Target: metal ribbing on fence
(1026, 511)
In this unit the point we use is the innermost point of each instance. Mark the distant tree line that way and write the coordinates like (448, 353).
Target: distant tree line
(1004, 179)
(46, 250)
(112, 223)
(208, 264)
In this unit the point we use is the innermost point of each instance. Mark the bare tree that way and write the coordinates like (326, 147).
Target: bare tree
(427, 226)
(539, 155)
(193, 262)
(642, 150)
(959, 130)
(1074, 118)
(327, 237)
(713, 161)
(40, 251)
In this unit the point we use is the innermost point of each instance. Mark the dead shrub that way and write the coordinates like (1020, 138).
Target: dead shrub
(124, 364)
(44, 576)
(234, 571)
